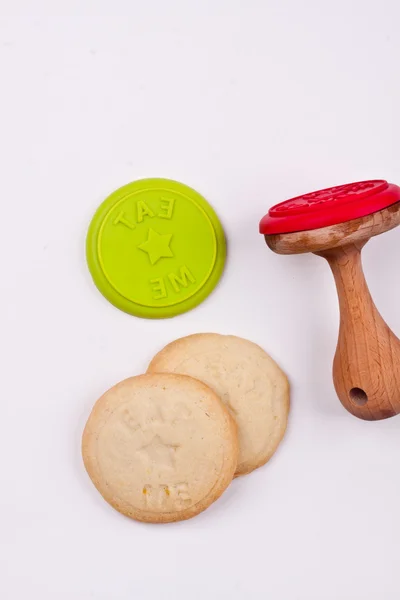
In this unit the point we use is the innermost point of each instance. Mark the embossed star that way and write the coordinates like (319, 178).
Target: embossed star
(158, 452)
(157, 246)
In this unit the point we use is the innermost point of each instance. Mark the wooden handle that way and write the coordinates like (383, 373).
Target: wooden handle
(366, 367)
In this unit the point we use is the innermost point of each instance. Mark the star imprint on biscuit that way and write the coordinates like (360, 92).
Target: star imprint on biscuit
(157, 246)
(158, 452)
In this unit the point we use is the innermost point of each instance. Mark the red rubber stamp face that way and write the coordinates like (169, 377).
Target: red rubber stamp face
(337, 195)
(329, 206)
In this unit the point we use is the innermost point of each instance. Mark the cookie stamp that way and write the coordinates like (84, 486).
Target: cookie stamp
(336, 223)
(155, 248)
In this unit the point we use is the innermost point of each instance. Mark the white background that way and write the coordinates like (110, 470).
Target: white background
(249, 102)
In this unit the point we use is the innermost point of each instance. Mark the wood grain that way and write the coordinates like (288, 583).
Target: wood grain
(366, 367)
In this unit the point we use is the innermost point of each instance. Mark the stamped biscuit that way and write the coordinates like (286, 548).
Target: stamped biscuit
(160, 447)
(250, 383)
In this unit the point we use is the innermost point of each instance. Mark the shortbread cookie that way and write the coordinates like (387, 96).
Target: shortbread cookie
(250, 383)
(160, 447)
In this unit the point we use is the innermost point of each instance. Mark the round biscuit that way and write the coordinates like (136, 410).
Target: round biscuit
(246, 378)
(160, 447)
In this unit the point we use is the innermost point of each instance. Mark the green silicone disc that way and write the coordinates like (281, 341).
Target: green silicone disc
(155, 248)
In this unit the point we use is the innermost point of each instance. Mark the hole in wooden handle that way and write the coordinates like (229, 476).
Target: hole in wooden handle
(358, 396)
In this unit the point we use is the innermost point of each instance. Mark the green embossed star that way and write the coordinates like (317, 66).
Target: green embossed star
(157, 246)
(129, 252)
